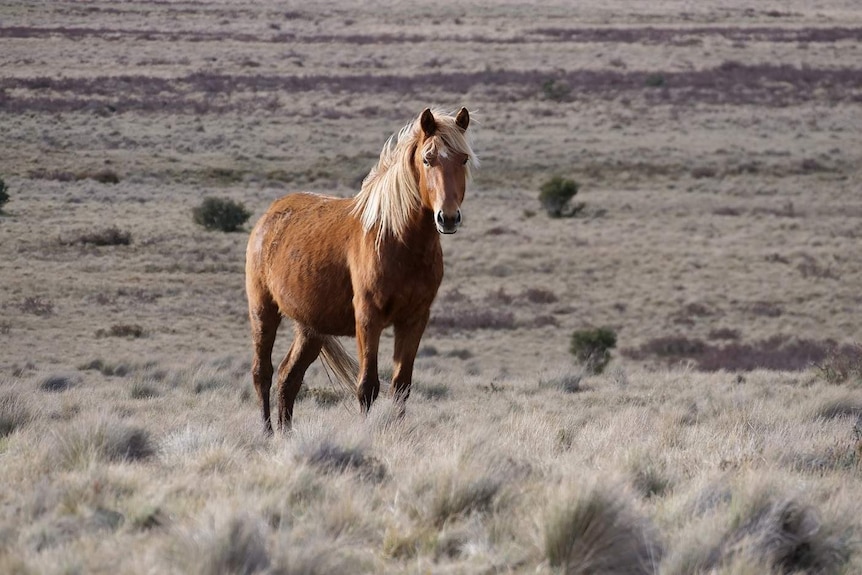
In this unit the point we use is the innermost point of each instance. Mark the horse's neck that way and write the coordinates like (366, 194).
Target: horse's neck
(420, 235)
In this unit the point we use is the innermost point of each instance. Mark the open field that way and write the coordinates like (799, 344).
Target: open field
(719, 158)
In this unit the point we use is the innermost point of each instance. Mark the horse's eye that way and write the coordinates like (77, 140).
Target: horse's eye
(426, 161)
(467, 159)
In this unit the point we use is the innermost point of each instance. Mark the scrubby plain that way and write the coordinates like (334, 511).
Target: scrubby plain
(718, 159)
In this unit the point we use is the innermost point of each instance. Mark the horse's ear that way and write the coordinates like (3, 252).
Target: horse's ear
(426, 120)
(462, 120)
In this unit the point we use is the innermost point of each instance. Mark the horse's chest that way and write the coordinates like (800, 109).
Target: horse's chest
(411, 288)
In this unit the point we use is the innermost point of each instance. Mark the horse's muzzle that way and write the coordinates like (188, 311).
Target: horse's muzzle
(447, 224)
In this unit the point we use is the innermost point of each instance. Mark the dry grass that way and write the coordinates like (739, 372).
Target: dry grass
(673, 473)
(719, 241)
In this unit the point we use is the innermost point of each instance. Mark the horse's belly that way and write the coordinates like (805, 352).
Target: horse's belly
(323, 304)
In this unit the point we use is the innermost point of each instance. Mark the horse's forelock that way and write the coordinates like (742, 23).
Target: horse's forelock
(390, 192)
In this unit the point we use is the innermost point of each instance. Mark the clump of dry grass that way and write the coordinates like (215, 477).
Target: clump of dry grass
(143, 389)
(100, 440)
(323, 396)
(329, 457)
(431, 391)
(235, 545)
(566, 380)
(106, 368)
(596, 531)
(785, 534)
(457, 496)
(14, 411)
(754, 523)
(842, 364)
(58, 383)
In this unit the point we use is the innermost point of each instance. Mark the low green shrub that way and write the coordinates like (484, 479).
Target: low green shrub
(220, 214)
(555, 196)
(4, 194)
(592, 347)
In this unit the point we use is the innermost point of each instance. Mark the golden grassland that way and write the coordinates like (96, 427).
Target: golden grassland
(719, 166)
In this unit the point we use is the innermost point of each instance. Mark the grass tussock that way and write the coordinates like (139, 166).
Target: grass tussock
(322, 396)
(786, 534)
(106, 368)
(458, 496)
(842, 364)
(235, 545)
(849, 406)
(101, 440)
(565, 380)
(143, 389)
(330, 457)
(753, 524)
(15, 412)
(597, 531)
(431, 391)
(58, 383)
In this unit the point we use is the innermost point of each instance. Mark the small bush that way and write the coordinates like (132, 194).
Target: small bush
(220, 214)
(555, 90)
(540, 296)
(112, 236)
(842, 364)
(555, 196)
(655, 81)
(592, 347)
(104, 176)
(131, 331)
(37, 306)
(4, 194)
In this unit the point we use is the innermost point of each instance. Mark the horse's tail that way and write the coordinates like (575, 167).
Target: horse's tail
(345, 368)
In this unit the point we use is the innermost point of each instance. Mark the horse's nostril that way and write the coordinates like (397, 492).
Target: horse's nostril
(458, 218)
(440, 219)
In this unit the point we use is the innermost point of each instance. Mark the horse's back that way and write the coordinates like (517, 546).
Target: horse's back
(297, 257)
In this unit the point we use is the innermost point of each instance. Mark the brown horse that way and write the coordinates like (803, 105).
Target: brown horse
(354, 266)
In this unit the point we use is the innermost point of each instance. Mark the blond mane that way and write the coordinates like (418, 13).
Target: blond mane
(390, 192)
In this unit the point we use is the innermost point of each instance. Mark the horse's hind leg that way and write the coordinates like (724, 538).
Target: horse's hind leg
(303, 351)
(265, 318)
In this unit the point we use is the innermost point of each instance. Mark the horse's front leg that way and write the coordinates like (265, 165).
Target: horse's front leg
(369, 325)
(407, 337)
